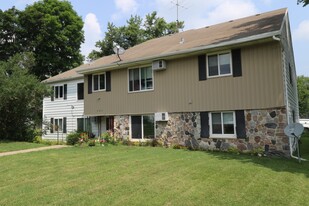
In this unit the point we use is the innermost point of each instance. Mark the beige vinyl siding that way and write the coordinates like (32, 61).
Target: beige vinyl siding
(177, 89)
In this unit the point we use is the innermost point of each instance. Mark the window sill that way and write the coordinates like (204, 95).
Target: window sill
(148, 90)
(140, 140)
(102, 90)
(219, 76)
(223, 137)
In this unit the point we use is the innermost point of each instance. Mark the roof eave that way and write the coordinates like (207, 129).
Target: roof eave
(117, 65)
(61, 80)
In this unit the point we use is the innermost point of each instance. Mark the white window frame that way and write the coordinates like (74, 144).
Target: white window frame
(99, 74)
(219, 53)
(222, 135)
(54, 126)
(55, 88)
(142, 119)
(140, 82)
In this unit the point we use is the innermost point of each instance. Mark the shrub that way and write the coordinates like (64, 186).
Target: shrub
(127, 142)
(107, 136)
(156, 143)
(91, 135)
(50, 142)
(91, 143)
(37, 139)
(233, 150)
(73, 138)
(178, 146)
(84, 136)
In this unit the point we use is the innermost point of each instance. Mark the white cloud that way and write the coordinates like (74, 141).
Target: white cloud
(92, 32)
(229, 10)
(267, 2)
(302, 32)
(126, 6)
(200, 13)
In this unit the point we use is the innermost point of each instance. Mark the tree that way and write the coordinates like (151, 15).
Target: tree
(303, 96)
(156, 26)
(304, 2)
(135, 32)
(113, 34)
(21, 98)
(10, 41)
(51, 29)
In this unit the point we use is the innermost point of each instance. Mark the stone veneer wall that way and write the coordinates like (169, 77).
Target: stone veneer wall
(264, 129)
(179, 128)
(121, 127)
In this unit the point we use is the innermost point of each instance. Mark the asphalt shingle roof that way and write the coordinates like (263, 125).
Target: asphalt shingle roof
(248, 28)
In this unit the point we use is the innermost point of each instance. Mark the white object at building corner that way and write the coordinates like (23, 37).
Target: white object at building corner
(304, 122)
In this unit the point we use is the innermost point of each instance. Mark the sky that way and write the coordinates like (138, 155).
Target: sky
(195, 13)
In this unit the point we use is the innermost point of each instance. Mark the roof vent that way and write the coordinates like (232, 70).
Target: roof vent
(182, 40)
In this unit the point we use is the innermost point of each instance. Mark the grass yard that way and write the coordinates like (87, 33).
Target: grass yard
(6, 146)
(122, 175)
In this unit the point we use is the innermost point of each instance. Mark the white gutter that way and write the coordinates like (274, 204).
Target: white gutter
(177, 53)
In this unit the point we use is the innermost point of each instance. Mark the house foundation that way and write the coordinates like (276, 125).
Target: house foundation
(264, 131)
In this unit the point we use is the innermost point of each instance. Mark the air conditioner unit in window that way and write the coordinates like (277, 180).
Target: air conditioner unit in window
(158, 65)
(161, 116)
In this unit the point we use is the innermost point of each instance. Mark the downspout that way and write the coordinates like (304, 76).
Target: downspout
(287, 105)
(276, 38)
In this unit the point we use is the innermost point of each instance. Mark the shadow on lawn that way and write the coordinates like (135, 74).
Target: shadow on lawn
(275, 163)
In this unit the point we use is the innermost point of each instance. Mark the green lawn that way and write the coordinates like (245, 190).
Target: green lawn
(6, 146)
(122, 175)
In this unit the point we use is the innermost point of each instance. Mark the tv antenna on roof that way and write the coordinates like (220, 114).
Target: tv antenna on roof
(118, 49)
(177, 4)
(294, 131)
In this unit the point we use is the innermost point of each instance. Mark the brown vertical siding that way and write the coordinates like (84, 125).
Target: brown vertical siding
(177, 89)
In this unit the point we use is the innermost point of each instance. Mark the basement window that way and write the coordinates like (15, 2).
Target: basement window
(142, 127)
(222, 124)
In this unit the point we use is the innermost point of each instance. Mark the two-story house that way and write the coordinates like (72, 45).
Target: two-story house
(63, 112)
(230, 85)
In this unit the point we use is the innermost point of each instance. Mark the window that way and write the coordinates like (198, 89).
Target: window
(83, 124)
(58, 125)
(80, 91)
(142, 127)
(291, 74)
(58, 92)
(219, 64)
(99, 82)
(140, 79)
(222, 124)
